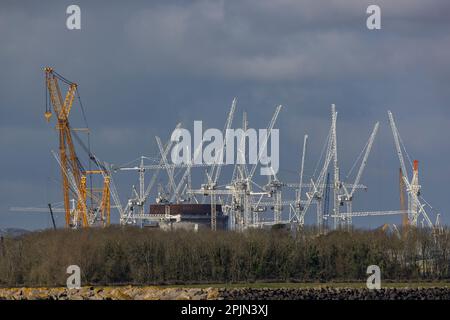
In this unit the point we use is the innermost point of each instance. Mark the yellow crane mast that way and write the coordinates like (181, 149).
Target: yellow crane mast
(402, 188)
(69, 161)
(104, 207)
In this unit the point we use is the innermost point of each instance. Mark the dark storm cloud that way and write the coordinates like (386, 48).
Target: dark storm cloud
(143, 67)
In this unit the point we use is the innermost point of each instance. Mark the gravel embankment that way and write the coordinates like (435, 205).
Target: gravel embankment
(156, 293)
(336, 294)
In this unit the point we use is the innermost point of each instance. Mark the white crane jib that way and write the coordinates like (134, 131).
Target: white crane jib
(127, 214)
(365, 158)
(170, 170)
(187, 174)
(347, 196)
(161, 164)
(302, 167)
(241, 184)
(298, 199)
(317, 187)
(216, 168)
(74, 188)
(264, 144)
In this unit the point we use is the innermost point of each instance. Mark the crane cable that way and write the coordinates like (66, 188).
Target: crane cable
(404, 149)
(356, 161)
(327, 142)
(89, 143)
(47, 105)
(60, 77)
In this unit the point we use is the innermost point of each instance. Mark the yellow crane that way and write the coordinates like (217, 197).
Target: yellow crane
(69, 162)
(402, 188)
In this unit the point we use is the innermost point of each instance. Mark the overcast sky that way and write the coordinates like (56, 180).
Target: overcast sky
(144, 66)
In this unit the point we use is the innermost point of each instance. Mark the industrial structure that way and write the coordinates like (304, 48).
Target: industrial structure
(240, 203)
(73, 174)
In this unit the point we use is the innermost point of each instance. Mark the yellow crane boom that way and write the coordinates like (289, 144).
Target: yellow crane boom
(402, 187)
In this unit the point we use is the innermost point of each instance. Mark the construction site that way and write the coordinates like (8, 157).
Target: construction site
(236, 202)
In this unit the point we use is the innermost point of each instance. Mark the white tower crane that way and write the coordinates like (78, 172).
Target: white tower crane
(298, 195)
(213, 175)
(135, 208)
(415, 207)
(347, 197)
(242, 209)
(317, 187)
(336, 178)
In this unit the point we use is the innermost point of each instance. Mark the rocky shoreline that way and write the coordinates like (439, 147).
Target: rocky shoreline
(158, 293)
(336, 294)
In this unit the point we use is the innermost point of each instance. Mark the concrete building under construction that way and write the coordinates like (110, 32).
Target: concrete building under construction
(188, 216)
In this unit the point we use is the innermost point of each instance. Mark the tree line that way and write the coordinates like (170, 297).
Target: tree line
(129, 255)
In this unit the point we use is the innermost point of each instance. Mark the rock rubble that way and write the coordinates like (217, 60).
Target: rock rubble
(175, 293)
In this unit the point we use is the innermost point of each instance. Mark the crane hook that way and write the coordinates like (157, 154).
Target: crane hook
(48, 115)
